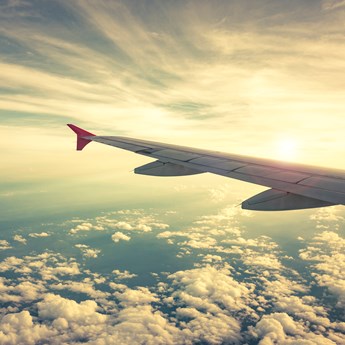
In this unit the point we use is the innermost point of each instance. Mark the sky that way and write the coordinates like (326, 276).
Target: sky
(262, 79)
(92, 252)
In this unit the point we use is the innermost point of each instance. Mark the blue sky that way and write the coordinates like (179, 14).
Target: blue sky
(92, 252)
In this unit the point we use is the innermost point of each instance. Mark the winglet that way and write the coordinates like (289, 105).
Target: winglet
(81, 134)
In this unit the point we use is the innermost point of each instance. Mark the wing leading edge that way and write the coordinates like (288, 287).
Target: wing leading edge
(292, 186)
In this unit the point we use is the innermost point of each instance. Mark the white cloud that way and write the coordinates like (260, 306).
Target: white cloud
(10, 263)
(262, 241)
(261, 260)
(131, 297)
(201, 242)
(169, 234)
(19, 238)
(119, 236)
(117, 286)
(141, 325)
(129, 220)
(123, 226)
(132, 325)
(280, 328)
(25, 291)
(209, 328)
(212, 258)
(4, 245)
(54, 307)
(19, 328)
(47, 265)
(85, 227)
(87, 251)
(206, 230)
(327, 217)
(209, 288)
(327, 251)
(218, 195)
(123, 274)
(208, 297)
(39, 234)
(61, 269)
(86, 286)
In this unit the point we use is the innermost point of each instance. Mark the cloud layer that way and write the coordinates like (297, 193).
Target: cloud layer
(240, 289)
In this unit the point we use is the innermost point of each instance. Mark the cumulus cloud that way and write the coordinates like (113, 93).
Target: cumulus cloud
(61, 269)
(261, 260)
(86, 287)
(131, 297)
(85, 227)
(327, 217)
(20, 292)
(19, 328)
(201, 242)
(129, 220)
(55, 307)
(19, 238)
(208, 232)
(327, 252)
(85, 322)
(39, 234)
(208, 297)
(280, 328)
(47, 265)
(209, 288)
(87, 251)
(4, 245)
(169, 234)
(119, 236)
(211, 303)
(123, 274)
(10, 263)
(212, 258)
(144, 224)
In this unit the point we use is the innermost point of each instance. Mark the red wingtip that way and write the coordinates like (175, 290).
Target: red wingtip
(81, 133)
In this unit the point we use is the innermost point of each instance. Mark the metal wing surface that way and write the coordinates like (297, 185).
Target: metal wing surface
(292, 186)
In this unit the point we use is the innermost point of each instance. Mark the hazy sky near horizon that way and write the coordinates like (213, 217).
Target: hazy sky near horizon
(91, 252)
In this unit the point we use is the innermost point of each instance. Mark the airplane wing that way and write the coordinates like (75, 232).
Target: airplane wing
(292, 186)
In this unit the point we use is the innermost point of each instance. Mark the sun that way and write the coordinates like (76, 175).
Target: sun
(287, 149)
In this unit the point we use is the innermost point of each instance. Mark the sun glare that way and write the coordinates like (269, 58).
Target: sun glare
(287, 149)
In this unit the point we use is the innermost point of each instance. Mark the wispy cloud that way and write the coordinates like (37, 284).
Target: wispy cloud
(209, 69)
(332, 4)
